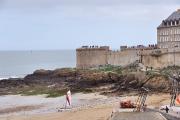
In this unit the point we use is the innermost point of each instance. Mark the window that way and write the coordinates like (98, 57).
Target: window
(173, 23)
(177, 22)
(169, 23)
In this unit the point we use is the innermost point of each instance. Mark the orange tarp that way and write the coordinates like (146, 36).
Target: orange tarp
(178, 99)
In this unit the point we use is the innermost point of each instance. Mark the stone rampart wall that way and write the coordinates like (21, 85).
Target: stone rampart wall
(91, 57)
(94, 57)
(167, 57)
(123, 58)
(156, 58)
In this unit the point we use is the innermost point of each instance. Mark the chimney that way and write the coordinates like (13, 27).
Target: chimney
(178, 10)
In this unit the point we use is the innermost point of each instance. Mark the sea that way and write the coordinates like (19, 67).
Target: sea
(14, 64)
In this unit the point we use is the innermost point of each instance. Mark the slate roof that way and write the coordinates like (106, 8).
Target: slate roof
(174, 16)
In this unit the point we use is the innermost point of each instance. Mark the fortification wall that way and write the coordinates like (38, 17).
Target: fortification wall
(167, 57)
(91, 57)
(156, 58)
(94, 57)
(123, 58)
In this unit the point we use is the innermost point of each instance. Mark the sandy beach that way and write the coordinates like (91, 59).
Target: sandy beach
(85, 106)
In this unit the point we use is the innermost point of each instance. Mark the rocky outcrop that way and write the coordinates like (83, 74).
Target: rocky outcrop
(87, 79)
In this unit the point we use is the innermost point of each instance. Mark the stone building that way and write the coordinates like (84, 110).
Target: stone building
(165, 53)
(168, 32)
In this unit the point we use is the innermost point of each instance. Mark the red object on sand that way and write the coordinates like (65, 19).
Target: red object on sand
(127, 104)
(178, 99)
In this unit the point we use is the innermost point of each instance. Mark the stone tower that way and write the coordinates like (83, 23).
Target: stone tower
(91, 56)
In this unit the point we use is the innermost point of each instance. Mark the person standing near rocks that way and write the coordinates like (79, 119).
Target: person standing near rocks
(167, 109)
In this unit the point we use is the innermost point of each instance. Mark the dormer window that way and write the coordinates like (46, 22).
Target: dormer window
(165, 23)
(177, 22)
(173, 23)
(169, 23)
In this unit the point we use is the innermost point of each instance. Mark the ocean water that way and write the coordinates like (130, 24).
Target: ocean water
(21, 63)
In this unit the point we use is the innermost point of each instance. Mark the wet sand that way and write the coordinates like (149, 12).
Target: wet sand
(98, 108)
(101, 113)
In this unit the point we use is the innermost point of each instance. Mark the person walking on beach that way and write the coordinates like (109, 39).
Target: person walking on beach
(167, 109)
(68, 99)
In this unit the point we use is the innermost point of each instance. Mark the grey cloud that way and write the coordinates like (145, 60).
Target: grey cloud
(52, 3)
(96, 9)
(117, 2)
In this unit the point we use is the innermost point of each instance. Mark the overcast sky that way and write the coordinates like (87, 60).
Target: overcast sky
(68, 24)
